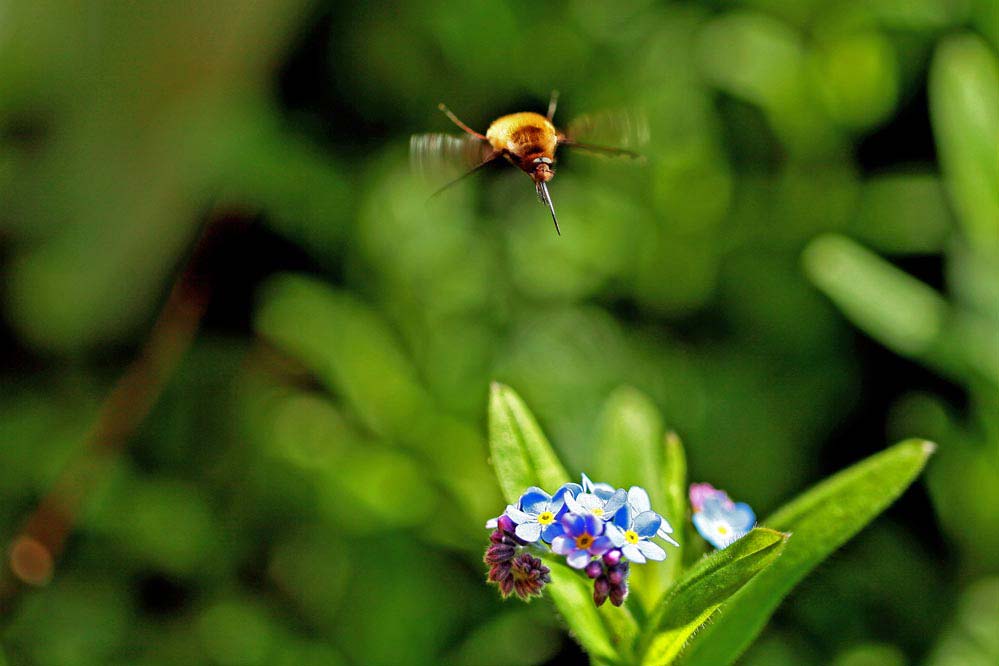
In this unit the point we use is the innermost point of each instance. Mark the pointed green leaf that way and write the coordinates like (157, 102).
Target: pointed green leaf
(520, 452)
(574, 600)
(628, 446)
(820, 521)
(900, 311)
(628, 454)
(696, 596)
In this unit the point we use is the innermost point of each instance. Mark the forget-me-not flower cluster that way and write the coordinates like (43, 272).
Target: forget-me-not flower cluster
(599, 530)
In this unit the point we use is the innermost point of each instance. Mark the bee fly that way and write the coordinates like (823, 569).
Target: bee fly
(527, 140)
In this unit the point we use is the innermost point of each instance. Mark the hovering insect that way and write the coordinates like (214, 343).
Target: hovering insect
(527, 140)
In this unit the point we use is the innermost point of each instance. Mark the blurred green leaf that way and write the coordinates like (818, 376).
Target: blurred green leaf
(574, 600)
(674, 480)
(352, 350)
(903, 213)
(237, 632)
(628, 454)
(695, 597)
(522, 636)
(883, 300)
(520, 453)
(820, 521)
(901, 311)
(972, 640)
(347, 346)
(964, 104)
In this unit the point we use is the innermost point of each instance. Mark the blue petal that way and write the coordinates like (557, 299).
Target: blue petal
(632, 552)
(563, 545)
(603, 490)
(573, 505)
(529, 532)
(651, 551)
(516, 515)
(639, 499)
(601, 545)
(571, 488)
(714, 505)
(668, 539)
(593, 525)
(534, 500)
(647, 524)
(552, 531)
(704, 525)
(623, 517)
(562, 510)
(742, 517)
(577, 559)
(616, 501)
(574, 524)
(615, 534)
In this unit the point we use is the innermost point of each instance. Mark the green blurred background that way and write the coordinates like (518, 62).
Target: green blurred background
(207, 214)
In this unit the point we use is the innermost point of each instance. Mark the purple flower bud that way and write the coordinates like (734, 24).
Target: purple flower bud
(594, 569)
(505, 524)
(618, 593)
(499, 552)
(615, 576)
(612, 557)
(601, 588)
(529, 576)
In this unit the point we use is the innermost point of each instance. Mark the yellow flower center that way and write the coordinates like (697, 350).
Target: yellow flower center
(722, 529)
(598, 512)
(584, 541)
(546, 518)
(631, 536)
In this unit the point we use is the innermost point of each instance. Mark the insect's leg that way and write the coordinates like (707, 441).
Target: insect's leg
(454, 119)
(552, 103)
(489, 158)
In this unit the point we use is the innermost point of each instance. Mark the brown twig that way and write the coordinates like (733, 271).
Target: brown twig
(33, 552)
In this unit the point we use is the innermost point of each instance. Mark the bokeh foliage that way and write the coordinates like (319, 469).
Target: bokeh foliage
(311, 484)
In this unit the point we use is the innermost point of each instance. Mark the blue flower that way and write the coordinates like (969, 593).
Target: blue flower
(722, 521)
(537, 513)
(634, 541)
(638, 503)
(601, 490)
(606, 505)
(583, 536)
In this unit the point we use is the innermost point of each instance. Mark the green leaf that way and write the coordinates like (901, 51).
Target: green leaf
(888, 303)
(900, 311)
(627, 450)
(697, 596)
(348, 347)
(574, 600)
(627, 455)
(526, 635)
(820, 521)
(523, 457)
(674, 475)
(964, 105)
(520, 452)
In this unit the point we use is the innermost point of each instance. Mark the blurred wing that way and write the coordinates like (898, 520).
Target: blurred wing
(439, 157)
(615, 132)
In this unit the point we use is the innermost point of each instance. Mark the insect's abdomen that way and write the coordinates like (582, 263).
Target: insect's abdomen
(523, 134)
